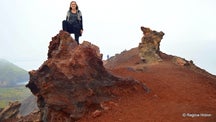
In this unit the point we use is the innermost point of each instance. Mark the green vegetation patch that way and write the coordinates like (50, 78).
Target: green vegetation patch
(8, 94)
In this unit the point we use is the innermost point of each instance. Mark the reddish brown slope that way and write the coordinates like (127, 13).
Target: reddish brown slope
(176, 92)
(179, 91)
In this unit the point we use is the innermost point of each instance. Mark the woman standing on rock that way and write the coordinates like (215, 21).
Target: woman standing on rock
(73, 23)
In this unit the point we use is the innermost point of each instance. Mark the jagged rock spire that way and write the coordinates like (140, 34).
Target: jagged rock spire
(149, 48)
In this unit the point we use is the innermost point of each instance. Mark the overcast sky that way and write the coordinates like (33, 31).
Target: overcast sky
(27, 26)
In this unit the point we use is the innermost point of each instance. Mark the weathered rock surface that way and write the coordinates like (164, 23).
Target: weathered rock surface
(10, 111)
(64, 93)
(149, 48)
(17, 111)
(73, 81)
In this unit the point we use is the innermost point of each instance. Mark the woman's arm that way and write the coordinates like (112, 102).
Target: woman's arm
(68, 15)
(81, 23)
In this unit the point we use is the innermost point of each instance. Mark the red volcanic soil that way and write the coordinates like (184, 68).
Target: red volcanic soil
(177, 93)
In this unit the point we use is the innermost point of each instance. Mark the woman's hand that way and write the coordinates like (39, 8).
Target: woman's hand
(81, 31)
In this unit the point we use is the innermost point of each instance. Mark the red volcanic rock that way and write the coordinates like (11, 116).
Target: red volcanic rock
(10, 111)
(96, 113)
(73, 81)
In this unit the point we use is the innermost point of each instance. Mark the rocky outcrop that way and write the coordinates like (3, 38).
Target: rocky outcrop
(16, 111)
(149, 48)
(73, 81)
(10, 111)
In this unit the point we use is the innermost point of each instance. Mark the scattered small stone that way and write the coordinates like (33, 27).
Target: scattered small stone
(96, 113)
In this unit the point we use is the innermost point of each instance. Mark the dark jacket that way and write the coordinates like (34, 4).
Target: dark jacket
(78, 22)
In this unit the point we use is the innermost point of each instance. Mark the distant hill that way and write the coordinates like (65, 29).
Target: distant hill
(16, 93)
(11, 75)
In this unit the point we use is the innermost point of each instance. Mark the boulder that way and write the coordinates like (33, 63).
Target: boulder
(149, 48)
(10, 111)
(73, 81)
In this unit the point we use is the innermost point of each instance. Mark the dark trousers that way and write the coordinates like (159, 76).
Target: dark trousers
(70, 29)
